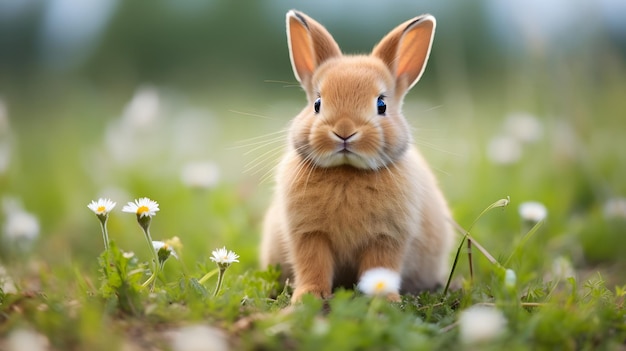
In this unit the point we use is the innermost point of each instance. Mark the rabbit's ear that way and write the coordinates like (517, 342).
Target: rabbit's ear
(310, 45)
(405, 50)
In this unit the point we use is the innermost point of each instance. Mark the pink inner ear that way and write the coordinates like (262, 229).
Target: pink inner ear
(413, 52)
(310, 45)
(301, 49)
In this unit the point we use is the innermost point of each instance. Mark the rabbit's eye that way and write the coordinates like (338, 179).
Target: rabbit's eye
(317, 104)
(382, 106)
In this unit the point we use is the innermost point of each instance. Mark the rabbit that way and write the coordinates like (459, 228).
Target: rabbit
(352, 192)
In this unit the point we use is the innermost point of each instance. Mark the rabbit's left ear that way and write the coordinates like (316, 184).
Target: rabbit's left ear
(405, 50)
(310, 45)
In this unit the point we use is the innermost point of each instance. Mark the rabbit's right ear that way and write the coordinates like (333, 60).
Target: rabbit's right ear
(310, 45)
(405, 50)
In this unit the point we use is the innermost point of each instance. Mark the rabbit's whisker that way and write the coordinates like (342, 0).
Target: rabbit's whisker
(261, 162)
(250, 114)
(270, 142)
(432, 146)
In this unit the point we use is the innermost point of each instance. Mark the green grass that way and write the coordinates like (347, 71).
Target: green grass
(60, 163)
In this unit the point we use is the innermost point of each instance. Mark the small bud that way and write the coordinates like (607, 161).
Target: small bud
(510, 279)
(175, 243)
(144, 221)
(502, 202)
(164, 251)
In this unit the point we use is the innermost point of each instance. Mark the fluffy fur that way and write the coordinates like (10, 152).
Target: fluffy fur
(352, 191)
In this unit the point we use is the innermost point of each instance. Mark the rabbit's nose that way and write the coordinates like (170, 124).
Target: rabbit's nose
(344, 138)
(344, 130)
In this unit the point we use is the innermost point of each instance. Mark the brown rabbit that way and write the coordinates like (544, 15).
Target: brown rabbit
(352, 191)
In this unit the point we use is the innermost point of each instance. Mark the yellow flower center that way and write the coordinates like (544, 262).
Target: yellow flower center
(101, 209)
(142, 209)
(379, 286)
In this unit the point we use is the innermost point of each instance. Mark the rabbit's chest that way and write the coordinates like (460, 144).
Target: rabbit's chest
(350, 205)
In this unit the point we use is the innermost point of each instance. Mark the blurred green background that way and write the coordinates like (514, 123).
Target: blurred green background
(126, 99)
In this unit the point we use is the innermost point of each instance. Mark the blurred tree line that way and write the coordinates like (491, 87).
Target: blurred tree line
(221, 46)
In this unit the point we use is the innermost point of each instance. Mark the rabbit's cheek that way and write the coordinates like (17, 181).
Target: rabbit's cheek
(393, 135)
(322, 144)
(370, 141)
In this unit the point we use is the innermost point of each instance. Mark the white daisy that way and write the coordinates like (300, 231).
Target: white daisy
(615, 208)
(160, 245)
(524, 127)
(481, 323)
(21, 226)
(223, 256)
(533, 211)
(379, 281)
(102, 207)
(142, 207)
(562, 269)
(200, 175)
(6, 282)
(143, 109)
(504, 150)
(198, 338)
(26, 339)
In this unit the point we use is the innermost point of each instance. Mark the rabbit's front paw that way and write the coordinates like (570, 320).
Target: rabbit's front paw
(317, 291)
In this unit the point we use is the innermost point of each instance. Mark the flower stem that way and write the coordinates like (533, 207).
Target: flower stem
(150, 280)
(456, 260)
(220, 279)
(466, 236)
(469, 257)
(374, 308)
(155, 258)
(525, 238)
(208, 275)
(105, 233)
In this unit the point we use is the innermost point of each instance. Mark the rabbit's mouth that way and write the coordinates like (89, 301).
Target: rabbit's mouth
(345, 147)
(346, 150)
(346, 157)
